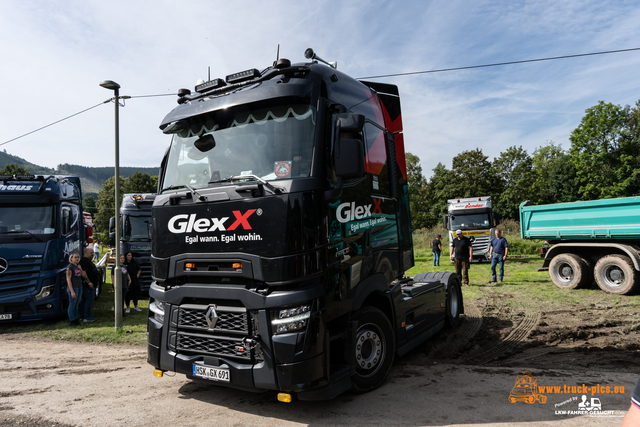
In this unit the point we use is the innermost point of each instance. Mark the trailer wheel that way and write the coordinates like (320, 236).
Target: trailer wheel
(454, 303)
(567, 271)
(615, 274)
(374, 349)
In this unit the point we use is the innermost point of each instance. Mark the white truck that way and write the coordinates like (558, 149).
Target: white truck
(475, 217)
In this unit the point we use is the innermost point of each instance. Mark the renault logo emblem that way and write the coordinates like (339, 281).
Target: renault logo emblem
(211, 316)
(3, 265)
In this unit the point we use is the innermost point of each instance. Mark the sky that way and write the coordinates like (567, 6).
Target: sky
(56, 52)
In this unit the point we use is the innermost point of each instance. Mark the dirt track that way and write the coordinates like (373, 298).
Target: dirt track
(460, 378)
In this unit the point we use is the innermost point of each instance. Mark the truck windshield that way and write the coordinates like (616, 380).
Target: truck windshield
(272, 143)
(469, 221)
(27, 219)
(136, 229)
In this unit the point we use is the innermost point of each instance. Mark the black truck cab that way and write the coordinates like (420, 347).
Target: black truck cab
(281, 235)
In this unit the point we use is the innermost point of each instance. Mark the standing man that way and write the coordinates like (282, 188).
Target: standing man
(88, 291)
(463, 252)
(96, 250)
(436, 247)
(498, 253)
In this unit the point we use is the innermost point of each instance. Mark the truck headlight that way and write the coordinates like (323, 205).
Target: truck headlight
(290, 319)
(157, 308)
(45, 292)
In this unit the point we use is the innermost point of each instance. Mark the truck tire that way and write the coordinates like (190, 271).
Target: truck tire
(615, 274)
(454, 303)
(567, 271)
(374, 349)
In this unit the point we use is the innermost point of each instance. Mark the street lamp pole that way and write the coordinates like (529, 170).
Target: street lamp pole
(111, 85)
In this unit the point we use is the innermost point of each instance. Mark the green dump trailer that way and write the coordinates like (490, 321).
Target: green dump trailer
(597, 239)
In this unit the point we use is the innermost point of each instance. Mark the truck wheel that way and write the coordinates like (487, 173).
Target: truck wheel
(615, 274)
(373, 349)
(567, 271)
(454, 303)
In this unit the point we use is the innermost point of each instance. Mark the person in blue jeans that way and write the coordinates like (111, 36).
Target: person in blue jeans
(498, 254)
(74, 288)
(436, 247)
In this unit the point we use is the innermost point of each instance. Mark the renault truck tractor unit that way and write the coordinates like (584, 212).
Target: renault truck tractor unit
(281, 235)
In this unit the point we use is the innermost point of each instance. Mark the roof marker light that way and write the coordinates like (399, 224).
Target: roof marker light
(210, 85)
(242, 76)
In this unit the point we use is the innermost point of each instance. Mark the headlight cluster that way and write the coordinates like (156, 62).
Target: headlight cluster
(291, 319)
(157, 308)
(45, 292)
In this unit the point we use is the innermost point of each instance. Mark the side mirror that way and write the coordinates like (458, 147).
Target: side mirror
(349, 122)
(112, 224)
(349, 158)
(349, 152)
(444, 222)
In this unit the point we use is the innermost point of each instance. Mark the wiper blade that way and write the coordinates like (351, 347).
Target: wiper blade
(273, 189)
(20, 232)
(193, 192)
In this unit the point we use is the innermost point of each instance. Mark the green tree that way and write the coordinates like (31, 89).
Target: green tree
(514, 170)
(14, 169)
(437, 194)
(554, 176)
(471, 175)
(417, 192)
(140, 182)
(604, 153)
(89, 205)
(106, 204)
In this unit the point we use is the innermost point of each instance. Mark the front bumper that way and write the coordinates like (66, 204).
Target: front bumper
(241, 340)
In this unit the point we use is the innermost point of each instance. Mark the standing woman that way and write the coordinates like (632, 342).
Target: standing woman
(436, 247)
(134, 290)
(74, 288)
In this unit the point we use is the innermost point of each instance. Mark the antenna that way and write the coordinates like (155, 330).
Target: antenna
(209, 73)
(278, 53)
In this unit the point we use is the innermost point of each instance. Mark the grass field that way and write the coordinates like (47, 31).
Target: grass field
(134, 330)
(524, 289)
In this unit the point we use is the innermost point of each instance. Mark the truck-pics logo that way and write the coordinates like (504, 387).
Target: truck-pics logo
(184, 223)
(348, 211)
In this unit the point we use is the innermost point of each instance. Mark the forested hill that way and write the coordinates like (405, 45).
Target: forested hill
(92, 178)
(101, 174)
(6, 159)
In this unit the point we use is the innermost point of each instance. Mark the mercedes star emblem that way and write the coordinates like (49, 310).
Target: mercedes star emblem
(211, 317)
(3, 265)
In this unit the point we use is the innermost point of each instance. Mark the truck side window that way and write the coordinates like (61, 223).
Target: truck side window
(68, 219)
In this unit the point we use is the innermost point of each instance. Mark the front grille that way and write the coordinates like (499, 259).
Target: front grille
(21, 275)
(234, 323)
(211, 345)
(228, 321)
(481, 244)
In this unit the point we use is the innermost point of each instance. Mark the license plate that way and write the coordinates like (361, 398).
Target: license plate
(6, 316)
(211, 373)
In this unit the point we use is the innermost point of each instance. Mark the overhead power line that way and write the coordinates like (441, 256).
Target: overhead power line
(80, 112)
(500, 63)
(362, 78)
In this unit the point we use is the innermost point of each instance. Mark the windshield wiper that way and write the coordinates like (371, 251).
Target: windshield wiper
(273, 189)
(193, 192)
(20, 232)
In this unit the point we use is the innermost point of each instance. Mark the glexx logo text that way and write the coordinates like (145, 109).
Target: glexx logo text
(185, 223)
(348, 211)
